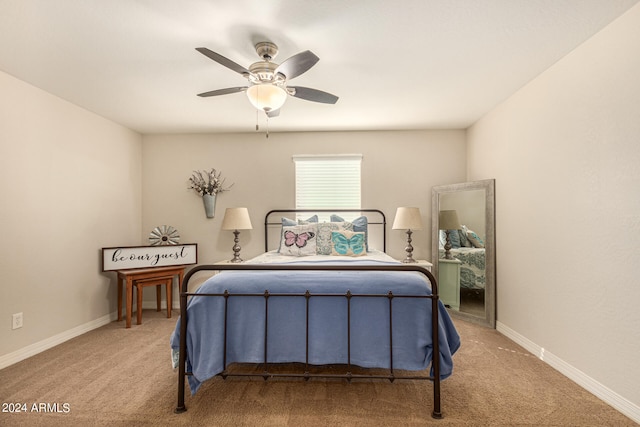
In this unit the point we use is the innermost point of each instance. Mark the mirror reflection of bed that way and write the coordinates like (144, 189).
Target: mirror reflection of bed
(471, 242)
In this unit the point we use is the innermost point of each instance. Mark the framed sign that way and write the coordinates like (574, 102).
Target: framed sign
(128, 257)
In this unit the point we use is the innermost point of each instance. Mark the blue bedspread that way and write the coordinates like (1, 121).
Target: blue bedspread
(412, 343)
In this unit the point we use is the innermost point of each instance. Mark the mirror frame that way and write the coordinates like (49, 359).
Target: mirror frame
(488, 185)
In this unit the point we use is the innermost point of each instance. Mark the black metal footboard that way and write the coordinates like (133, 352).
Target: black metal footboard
(349, 375)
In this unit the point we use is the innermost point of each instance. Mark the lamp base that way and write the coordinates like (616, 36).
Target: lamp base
(409, 258)
(236, 248)
(447, 246)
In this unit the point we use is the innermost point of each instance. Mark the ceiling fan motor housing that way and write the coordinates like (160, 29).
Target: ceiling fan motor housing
(266, 50)
(264, 72)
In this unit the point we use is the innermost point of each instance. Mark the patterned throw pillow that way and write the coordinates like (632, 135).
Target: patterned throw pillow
(475, 240)
(360, 224)
(323, 238)
(464, 242)
(348, 243)
(288, 222)
(299, 240)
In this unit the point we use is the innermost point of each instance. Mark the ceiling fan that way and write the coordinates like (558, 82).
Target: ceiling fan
(268, 89)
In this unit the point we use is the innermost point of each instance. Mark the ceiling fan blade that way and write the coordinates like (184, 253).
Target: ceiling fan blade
(314, 95)
(223, 91)
(297, 64)
(223, 61)
(274, 113)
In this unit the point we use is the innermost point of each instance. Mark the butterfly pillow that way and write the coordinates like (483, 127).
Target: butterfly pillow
(348, 243)
(299, 240)
(287, 222)
(360, 224)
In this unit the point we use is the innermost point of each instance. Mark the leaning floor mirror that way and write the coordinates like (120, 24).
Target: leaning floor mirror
(463, 249)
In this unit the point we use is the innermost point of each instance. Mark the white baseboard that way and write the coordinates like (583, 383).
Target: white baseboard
(39, 347)
(594, 387)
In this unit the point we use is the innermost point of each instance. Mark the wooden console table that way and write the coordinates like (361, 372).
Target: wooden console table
(128, 277)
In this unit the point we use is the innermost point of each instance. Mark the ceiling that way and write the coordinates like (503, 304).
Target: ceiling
(410, 64)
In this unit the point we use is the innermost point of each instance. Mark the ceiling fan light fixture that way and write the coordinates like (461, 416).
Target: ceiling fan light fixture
(266, 97)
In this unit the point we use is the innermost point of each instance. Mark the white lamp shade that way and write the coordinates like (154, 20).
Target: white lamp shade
(407, 219)
(236, 219)
(448, 220)
(267, 97)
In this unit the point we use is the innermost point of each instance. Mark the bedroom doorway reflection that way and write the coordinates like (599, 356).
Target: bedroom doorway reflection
(463, 248)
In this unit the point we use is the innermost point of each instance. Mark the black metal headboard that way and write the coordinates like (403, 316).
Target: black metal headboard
(375, 217)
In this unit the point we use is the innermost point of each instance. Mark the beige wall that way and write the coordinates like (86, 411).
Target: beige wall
(565, 153)
(398, 169)
(470, 207)
(70, 184)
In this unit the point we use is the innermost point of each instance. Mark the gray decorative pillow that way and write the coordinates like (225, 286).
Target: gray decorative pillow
(323, 238)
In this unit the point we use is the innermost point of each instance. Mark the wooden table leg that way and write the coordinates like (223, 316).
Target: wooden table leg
(129, 301)
(169, 300)
(139, 288)
(119, 283)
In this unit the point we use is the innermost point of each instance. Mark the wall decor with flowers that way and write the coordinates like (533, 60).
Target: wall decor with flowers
(208, 184)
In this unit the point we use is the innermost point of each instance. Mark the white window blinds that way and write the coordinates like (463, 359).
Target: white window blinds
(328, 182)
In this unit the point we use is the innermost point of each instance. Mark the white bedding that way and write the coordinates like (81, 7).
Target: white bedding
(273, 257)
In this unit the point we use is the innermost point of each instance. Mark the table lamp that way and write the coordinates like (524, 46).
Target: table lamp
(447, 221)
(408, 219)
(236, 219)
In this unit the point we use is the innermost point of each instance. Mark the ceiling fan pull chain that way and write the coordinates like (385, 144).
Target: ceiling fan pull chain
(267, 127)
(257, 127)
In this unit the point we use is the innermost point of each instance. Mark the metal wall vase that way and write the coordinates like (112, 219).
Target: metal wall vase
(209, 205)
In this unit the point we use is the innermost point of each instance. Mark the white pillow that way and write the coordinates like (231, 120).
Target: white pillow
(475, 240)
(299, 240)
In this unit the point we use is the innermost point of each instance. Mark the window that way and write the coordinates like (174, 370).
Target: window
(328, 182)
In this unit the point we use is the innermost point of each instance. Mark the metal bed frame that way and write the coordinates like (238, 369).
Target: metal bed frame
(349, 375)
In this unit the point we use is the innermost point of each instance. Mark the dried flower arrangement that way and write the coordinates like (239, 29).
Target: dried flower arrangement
(208, 182)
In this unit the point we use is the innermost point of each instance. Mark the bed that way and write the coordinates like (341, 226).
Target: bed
(365, 311)
(472, 269)
(472, 256)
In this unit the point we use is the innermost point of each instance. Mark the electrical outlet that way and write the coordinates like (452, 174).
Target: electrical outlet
(17, 321)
